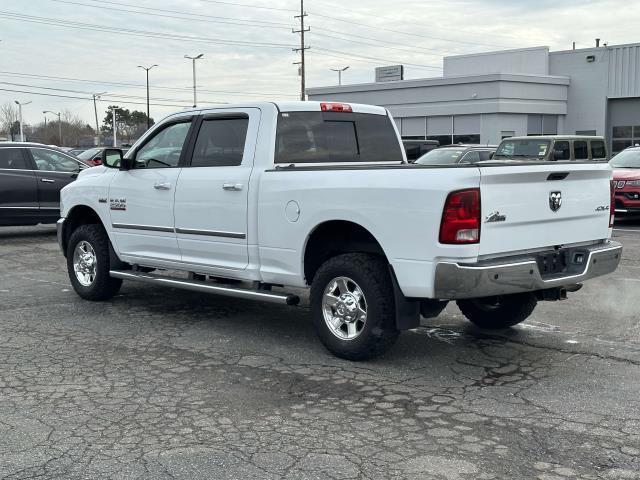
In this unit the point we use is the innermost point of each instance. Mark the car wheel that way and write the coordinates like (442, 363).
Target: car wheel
(495, 313)
(88, 263)
(353, 306)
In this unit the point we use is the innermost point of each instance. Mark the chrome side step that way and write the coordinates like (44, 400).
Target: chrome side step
(206, 287)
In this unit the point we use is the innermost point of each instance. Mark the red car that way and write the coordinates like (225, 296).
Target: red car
(626, 176)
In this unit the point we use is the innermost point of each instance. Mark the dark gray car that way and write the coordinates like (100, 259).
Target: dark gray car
(457, 154)
(31, 177)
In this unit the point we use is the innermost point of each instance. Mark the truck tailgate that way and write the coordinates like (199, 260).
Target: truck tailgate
(533, 206)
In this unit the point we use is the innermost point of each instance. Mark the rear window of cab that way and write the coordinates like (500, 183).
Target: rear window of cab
(330, 137)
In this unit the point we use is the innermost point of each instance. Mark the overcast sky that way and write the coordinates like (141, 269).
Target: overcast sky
(97, 45)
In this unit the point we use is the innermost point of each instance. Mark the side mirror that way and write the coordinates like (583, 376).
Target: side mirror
(112, 157)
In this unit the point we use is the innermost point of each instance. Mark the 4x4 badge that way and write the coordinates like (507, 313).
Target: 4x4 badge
(555, 201)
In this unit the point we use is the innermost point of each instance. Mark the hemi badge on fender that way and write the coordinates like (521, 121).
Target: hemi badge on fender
(102, 200)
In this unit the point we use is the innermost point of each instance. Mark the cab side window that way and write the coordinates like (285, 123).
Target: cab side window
(51, 161)
(12, 159)
(220, 142)
(598, 150)
(164, 149)
(580, 150)
(561, 151)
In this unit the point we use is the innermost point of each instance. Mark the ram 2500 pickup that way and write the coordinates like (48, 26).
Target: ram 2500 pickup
(254, 200)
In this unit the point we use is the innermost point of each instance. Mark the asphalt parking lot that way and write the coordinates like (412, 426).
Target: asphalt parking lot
(166, 384)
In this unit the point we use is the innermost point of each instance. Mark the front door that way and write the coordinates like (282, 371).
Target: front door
(54, 170)
(141, 198)
(213, 192)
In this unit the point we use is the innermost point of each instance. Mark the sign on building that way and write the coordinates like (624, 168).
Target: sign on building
(390, 74)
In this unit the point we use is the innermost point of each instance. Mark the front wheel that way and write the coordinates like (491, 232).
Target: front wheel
(88, 264)
(353, 306)
(498, 312)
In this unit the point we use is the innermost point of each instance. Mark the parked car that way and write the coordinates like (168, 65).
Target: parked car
(553, 148)
(31, 177)
(457, 154)
(626, 177)
(77, 151)
(416, 148)
(319, 195)
(93, 156)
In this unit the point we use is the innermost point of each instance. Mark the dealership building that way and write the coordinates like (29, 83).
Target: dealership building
(482, 98)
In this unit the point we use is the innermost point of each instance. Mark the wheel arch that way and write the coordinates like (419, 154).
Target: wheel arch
(77, 216)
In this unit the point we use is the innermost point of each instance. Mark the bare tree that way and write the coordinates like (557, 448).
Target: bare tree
(8, 117)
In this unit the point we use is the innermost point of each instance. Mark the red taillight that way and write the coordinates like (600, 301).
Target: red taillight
(461, 217)
(612, 205)
(335, 107)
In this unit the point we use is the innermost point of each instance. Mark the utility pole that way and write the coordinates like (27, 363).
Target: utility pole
(59, 124)
(113, 116)
(193, 59)
(301, 50)
(147, 70)
(95, 111)
(339, 70)
(20, 117)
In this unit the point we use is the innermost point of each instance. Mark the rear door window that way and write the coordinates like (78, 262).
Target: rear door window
(580, 150)
(13, 159)
(326, 137)
(220, 142)
(561, 150)
(598, 150)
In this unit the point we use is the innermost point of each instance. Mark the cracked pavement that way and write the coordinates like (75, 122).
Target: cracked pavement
(167, 384)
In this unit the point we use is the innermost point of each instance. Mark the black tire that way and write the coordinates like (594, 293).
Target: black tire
(495, 313)
(379, 332)
(103, 286)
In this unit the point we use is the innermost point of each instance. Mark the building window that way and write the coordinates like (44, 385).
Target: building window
(623, 137)
(507, 134)
(443, 139)
(471, 139)
(542, 124)
(588, 133)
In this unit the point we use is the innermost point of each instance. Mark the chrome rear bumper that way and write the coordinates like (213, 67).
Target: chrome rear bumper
(520, 274)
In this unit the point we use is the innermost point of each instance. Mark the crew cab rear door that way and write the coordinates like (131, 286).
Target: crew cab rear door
(211, 202)
(530, 206)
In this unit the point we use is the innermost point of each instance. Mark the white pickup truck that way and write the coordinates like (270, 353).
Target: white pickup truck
(254, 201)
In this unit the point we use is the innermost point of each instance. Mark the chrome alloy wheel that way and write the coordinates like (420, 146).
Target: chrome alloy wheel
(344, 308)
(84, 263)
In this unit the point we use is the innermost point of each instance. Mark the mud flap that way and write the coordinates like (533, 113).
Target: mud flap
(407, 311)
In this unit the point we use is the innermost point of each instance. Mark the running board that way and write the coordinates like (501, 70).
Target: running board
(205, 287)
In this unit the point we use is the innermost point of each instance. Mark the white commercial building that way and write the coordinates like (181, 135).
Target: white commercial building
(482, 98)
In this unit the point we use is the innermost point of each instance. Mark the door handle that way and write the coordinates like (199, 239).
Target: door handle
(47, 180)
(233, 187)
(162, 186)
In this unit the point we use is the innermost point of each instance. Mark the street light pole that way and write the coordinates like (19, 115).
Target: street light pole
(193, 59)
(113, 115)
(20, 117)
(147, 70)
(95, 111)
(339, 70)
(59, 124)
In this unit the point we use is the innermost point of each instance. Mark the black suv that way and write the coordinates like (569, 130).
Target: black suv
(31, 177)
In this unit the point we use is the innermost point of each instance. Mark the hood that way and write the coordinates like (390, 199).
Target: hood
(626, 174)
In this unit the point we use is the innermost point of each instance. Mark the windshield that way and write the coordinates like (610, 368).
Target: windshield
(626, 159)
(441, 156)
(89, 154)
(528, 148)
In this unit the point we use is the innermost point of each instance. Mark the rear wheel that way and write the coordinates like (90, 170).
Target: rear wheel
(495, 313)
(353, 306)
(88, 263)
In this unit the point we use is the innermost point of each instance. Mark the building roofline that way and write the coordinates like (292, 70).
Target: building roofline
(594, 48)
(495, 52)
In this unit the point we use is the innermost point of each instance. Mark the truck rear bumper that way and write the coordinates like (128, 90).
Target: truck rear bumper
(523, 273)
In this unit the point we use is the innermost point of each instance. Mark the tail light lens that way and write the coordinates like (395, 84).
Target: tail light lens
(461, 217)
(612, 205)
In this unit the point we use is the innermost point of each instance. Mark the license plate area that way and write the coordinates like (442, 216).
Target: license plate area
(552, 263)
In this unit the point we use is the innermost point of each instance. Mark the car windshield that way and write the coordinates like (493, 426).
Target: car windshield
(441, 156)
(626, 159)
(89, 154)
(528, 148)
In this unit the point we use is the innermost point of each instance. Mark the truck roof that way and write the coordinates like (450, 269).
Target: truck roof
(295, 106)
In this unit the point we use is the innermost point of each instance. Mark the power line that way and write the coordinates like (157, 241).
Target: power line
(406, 50)
(251, 6)
(354, 55)
(138, 33)
(135, 85)
(208, 18)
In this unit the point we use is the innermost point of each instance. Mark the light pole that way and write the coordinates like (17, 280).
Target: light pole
(339, 70)
(113, 116)
(95, 111)
(147, 70)
(59, 124)
(20, 117)
(193, 59)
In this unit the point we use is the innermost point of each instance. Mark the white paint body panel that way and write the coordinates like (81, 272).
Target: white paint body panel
(400, 206)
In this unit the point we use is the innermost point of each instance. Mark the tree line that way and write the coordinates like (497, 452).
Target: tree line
(130, 125)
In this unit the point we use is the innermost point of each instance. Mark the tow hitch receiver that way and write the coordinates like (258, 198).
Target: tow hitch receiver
(558, 293)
